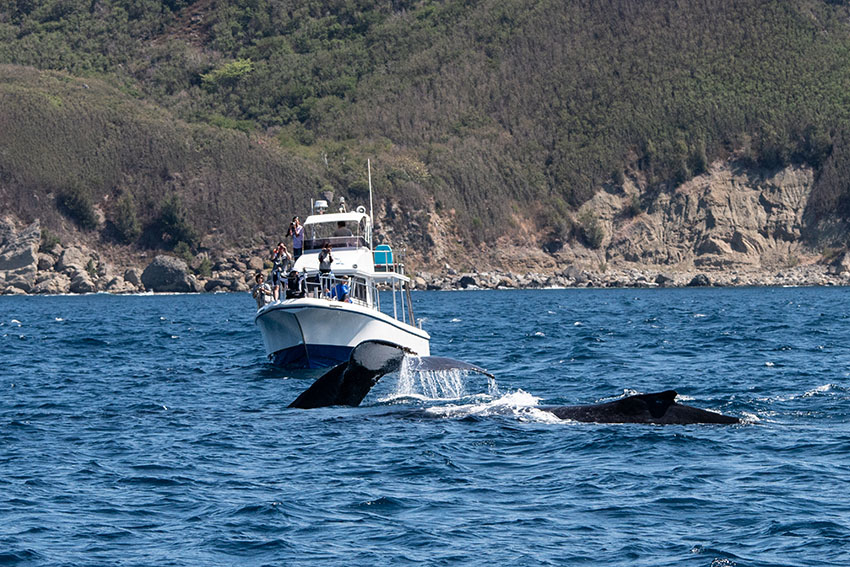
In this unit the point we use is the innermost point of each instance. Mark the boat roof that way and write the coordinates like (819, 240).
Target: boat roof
(352, 216)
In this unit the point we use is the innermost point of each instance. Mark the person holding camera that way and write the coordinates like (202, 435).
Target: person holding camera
(281, 264)
(296, 231)
(262, 292)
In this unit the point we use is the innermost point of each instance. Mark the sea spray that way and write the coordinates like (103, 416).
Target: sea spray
(448, 384)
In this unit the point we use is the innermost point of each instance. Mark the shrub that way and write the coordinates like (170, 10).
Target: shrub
(77, 204)
(127, 226)
(227, 74)
(590, 228)
(48, 241)
(204, 268)
(171, 226)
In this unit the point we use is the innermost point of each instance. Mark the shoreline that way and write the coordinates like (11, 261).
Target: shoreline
(238, 281)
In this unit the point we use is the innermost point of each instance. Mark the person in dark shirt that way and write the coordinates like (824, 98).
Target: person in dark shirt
(295, 285)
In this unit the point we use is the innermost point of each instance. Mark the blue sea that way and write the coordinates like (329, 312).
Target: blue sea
(150, 430)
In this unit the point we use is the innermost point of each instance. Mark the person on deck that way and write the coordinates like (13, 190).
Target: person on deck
(326, 260)
(262, 292)
(295, 285)
(296, 231)
(281, 264)
(342, 291)
(342, 230)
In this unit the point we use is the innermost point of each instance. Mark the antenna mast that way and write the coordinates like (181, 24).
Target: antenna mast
(371, 215)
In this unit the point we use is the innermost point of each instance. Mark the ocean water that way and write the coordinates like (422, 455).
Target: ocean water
(149, 430)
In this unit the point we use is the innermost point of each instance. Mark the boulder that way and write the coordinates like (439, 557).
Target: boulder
(256, 264)
(840, 265)
(167, 274)
(82, 283)
(22, 278)
(664, 279)
(74, 258)
(19, 254)
(133, 276)
(467, 280)
(12, 290)
(699, 280)
(45, 262)
(119, 285)
(18, 249)
(574, 274)
(53, 284)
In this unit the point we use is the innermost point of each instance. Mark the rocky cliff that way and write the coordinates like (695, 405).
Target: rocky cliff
(733, 225)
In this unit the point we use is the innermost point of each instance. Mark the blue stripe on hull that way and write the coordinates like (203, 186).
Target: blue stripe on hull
(311, 356)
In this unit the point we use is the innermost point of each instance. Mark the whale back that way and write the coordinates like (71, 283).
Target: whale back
(659, 408)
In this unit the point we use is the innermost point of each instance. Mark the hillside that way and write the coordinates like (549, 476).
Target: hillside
(150, 123)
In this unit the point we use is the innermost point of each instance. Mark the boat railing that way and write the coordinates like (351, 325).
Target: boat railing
(361, 291)
(388, 260)
(325, 286)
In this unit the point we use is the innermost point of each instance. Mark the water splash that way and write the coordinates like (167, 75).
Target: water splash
(449, 384)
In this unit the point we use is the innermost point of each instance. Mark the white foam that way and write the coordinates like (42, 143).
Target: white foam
(819, 390)
(519, 404)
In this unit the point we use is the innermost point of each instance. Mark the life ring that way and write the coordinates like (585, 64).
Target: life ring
(361, 209)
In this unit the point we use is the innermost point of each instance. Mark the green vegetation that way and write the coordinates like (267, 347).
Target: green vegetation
(48, 241)
(76, 203)
(484, 107)
(590, 229)
(127, 225)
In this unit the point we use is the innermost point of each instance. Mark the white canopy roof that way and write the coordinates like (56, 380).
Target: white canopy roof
(352, 216)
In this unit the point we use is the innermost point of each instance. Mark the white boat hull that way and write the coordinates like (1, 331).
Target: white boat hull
(316, 333)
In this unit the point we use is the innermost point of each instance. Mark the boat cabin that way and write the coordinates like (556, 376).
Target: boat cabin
(340, 230)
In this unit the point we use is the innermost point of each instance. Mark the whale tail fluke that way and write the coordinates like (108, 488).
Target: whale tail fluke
(348, 383)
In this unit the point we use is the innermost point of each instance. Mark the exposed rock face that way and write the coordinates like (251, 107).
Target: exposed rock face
(133, 276)
(727, 217)
(82, 283)
(18, 254)
(52, 284)
(167, 273)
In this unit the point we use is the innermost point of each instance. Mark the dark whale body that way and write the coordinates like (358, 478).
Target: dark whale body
(659, 408)
(348, 383)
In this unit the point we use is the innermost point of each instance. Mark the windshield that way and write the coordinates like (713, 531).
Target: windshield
(341, 234)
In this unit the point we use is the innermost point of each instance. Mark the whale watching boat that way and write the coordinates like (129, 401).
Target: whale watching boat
(316, 330)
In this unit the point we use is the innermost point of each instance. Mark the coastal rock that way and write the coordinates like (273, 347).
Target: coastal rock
(46, 262)
(12, 290)
(52, 284)
(699, 280)
(664, 280)
(119, 285)
(74, 258)
(256, 264)
(840, 265)
(466, 280)
(22, 278)
(82, 283)
(19, 254)
(133, 276)
(731, 215)
(167, 274)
